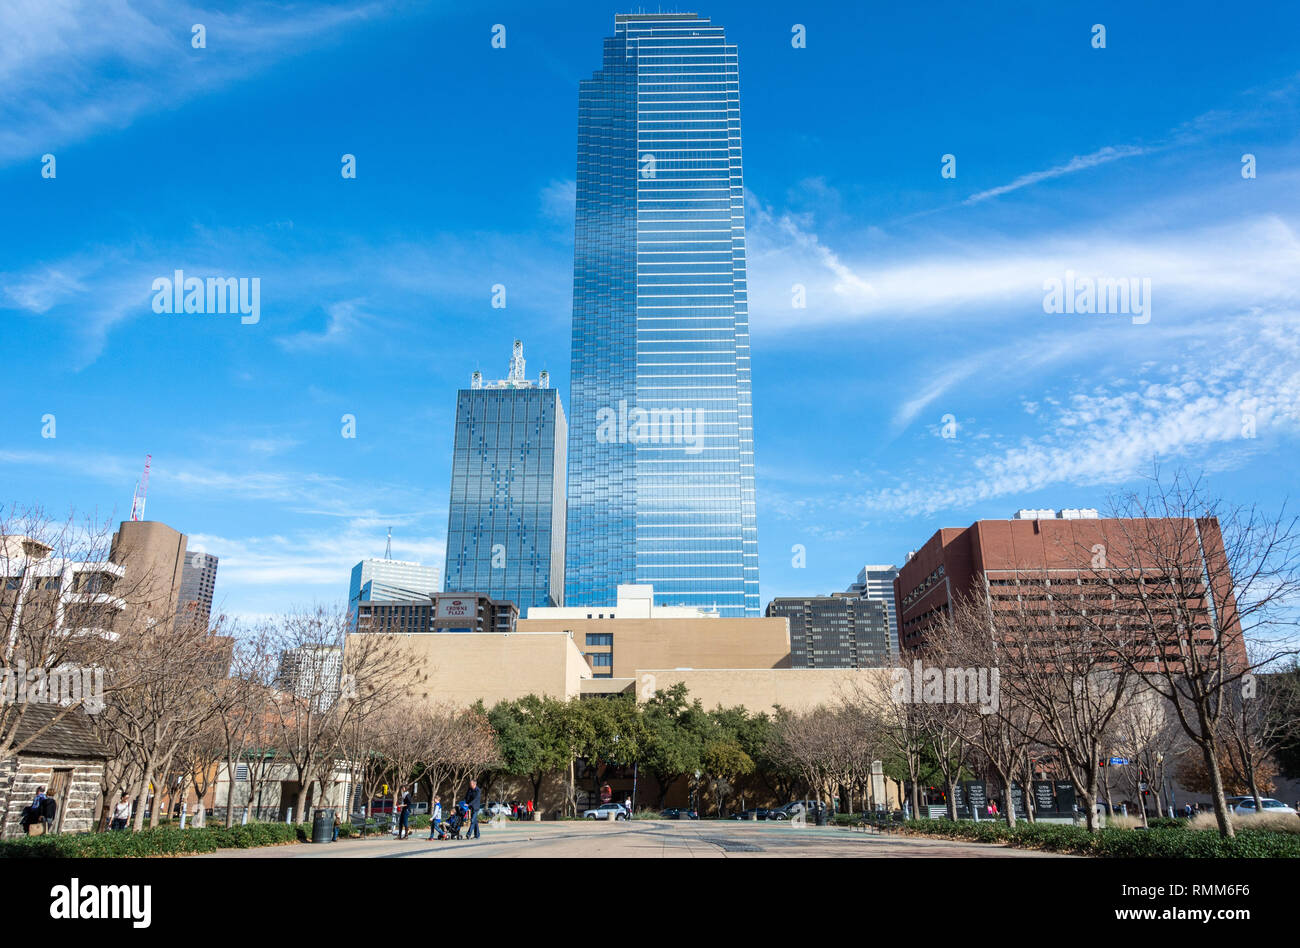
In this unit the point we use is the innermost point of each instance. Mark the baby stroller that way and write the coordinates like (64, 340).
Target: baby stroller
(454, 825)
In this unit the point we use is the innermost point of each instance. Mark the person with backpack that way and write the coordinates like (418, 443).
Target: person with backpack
(35, 813)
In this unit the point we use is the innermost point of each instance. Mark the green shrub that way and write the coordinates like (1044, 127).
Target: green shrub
(162, 841)
(1167, 839)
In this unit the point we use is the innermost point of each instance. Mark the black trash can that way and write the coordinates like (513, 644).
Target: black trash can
(821, 814)
(322, 827)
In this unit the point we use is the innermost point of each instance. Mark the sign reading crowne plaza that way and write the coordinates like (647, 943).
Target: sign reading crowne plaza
(631, 646)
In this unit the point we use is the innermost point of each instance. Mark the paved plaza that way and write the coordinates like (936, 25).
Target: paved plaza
(641, 839)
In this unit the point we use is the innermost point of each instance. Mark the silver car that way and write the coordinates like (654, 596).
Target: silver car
(603, 811)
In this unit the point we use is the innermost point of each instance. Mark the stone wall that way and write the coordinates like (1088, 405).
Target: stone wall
(19, 778)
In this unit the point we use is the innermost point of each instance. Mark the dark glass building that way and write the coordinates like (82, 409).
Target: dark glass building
(443, 612)
(835, 631)
(661, 460)
(505, 530)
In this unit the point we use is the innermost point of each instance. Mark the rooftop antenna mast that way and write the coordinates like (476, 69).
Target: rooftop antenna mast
(388, 550)
(141, 488)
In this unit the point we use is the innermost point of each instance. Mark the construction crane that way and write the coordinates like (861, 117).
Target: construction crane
(141, 488)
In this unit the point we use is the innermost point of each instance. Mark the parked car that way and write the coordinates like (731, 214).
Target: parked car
(1245, 806)
(602, 812)
(500, 806)
(788, 811)
(679, 813)
(758, 813)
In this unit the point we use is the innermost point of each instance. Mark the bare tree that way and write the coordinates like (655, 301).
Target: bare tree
(1261, 713)
(1190, 579)
(66, 611)
(899, 725)
(170, 703)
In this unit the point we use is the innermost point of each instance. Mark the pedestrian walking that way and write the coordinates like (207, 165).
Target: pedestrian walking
(404, 817)
(473, 799)
(121, 813)
(530, 809)
(435, 816)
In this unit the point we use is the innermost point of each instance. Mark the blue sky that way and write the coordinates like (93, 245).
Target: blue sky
(924, 293)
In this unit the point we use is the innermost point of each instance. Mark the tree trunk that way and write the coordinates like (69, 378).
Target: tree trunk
(300, 801)
(1027, 792)
(1009, 802)
(951, 785)
(142, 797)
(1216, 790)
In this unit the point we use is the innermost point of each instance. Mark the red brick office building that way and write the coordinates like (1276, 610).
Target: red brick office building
(1040, 554)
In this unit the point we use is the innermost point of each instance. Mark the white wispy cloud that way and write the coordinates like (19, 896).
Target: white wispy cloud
(1216, 407)
(1193, 270)
(342, 318)
(1101, 156)
(70, 69)
(96, 290)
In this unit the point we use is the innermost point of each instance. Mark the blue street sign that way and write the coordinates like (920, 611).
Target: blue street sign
(1119, 762)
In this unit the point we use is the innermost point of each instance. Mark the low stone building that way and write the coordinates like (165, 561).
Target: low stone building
(67, 759)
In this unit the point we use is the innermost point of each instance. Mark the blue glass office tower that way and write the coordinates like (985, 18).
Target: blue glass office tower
(505, 529)
(661, 449)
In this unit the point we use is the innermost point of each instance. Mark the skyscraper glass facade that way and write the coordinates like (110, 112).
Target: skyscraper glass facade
(661, 463)
(505, 531)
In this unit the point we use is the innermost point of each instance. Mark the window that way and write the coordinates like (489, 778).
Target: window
(602, 660)
(600, 638)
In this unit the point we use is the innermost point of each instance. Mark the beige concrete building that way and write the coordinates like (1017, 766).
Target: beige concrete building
(464, 667)
(763, 689)
(616, 648)
(153, 556)
(633, 651)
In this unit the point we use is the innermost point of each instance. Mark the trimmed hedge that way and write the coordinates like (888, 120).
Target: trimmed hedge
(1163, 841)
(163, 841)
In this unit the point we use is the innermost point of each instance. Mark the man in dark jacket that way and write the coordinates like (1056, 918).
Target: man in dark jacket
(473, 800)
(404, 820)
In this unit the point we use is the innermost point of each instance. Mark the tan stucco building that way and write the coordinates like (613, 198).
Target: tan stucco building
(616, 648)
(721, 661)
(464, 667)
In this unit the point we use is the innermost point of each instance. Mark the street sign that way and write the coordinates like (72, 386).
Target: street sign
(1119, 762)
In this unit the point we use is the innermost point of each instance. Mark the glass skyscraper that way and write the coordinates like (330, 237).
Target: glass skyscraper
(505, 529)
(661, 462)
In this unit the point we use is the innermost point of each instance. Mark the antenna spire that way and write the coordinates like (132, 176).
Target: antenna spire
(141, 488)
(388, 551)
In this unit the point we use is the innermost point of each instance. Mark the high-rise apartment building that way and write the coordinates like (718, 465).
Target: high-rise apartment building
(661, 443)
(198, 579)
(877, 583)
(313, 673)
(375, 580)
(841, 630)
(505, 525)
